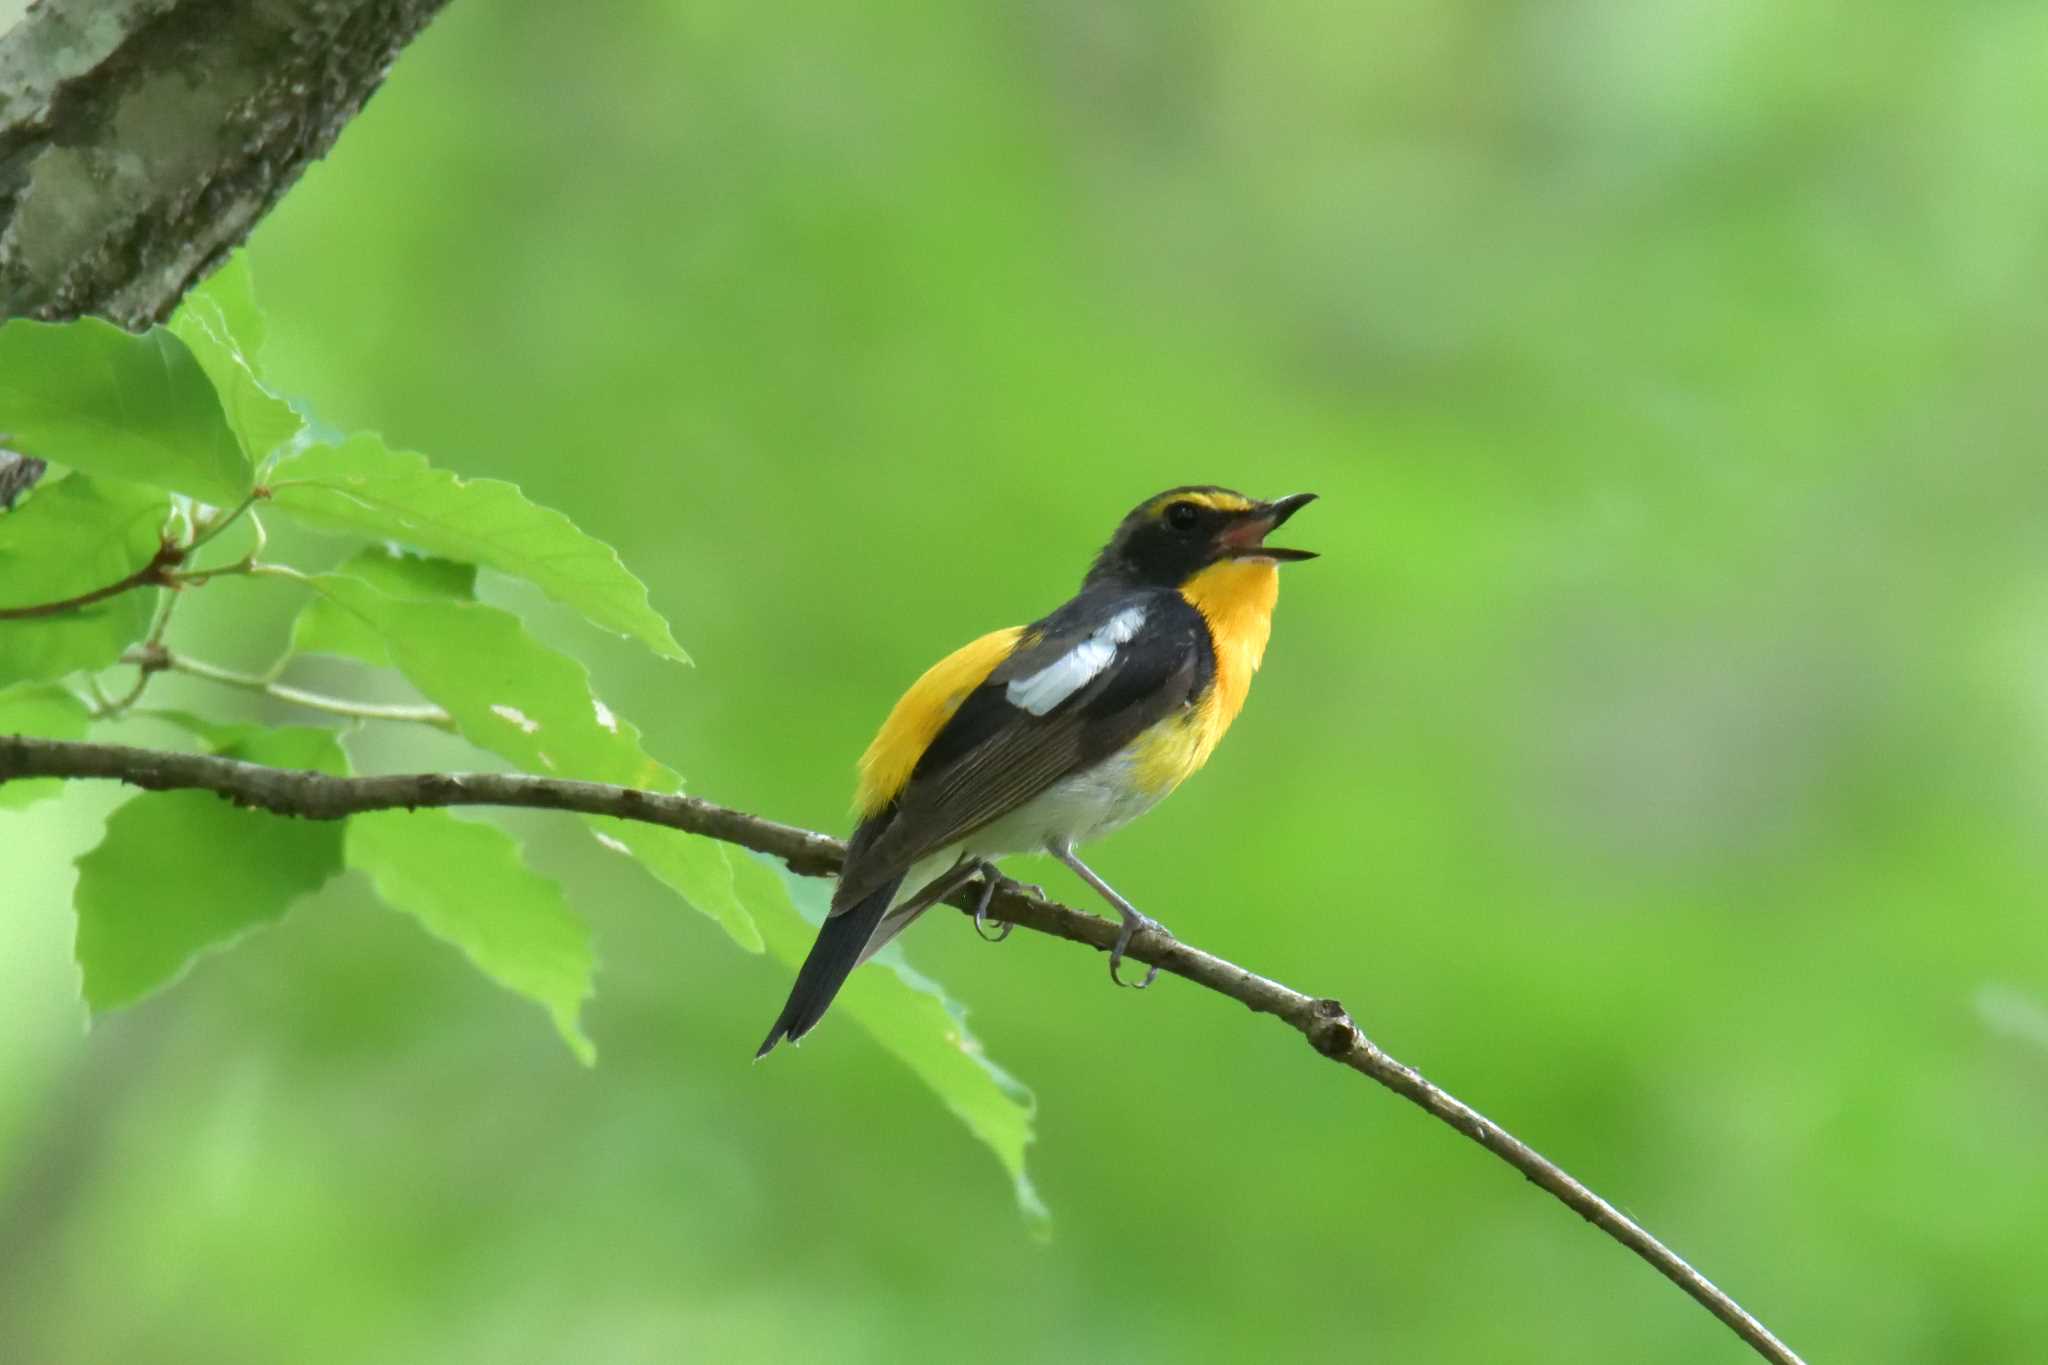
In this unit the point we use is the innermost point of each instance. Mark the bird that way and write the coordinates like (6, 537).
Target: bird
(1041, 738)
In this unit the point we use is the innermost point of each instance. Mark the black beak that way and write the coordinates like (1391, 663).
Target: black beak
(1246, 540)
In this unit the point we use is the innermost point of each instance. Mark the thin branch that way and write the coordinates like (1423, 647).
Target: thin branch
(155, 574)
(1329, 1030)
(150, 658)
(223, 520)
(158, 659)
(110, 707)
(162, 571)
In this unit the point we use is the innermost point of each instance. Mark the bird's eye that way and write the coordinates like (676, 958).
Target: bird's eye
(1182, 516)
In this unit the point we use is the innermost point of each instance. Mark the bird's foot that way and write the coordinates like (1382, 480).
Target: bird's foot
(991, 882)
(1135, 924)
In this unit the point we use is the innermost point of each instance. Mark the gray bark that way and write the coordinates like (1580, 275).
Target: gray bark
(140, 140)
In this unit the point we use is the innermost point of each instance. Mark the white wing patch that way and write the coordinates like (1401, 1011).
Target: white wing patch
(1072, 671)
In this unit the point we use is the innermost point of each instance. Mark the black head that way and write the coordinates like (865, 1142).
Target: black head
(1170, 538)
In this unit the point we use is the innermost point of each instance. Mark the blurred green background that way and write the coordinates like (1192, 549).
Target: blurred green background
(1655, 758)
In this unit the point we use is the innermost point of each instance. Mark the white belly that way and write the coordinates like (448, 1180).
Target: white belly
(1075, 810)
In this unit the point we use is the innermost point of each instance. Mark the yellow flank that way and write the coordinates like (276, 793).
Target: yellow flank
(1236, 597)
(923, 711)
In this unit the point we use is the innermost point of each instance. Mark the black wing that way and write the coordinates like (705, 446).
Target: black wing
(993, 755)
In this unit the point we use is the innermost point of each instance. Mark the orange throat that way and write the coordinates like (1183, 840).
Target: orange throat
(1236, 598)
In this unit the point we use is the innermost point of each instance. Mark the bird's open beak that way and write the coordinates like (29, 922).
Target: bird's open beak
(1246, 537)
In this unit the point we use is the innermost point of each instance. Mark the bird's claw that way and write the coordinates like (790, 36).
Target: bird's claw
(988, 893)
(1123, 941)
(991, 882)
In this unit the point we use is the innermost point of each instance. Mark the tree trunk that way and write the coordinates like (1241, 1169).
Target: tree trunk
(140, 140)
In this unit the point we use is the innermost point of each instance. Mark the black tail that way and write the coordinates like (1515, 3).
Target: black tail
(839, 945)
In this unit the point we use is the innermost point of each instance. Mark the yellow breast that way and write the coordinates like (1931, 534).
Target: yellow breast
(922, 713)
(1236, 598)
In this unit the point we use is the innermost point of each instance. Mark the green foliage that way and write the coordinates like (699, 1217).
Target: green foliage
(219, 321)
(365, 487)
(94, 397)
(67, 539)
(325, 627)
(182, 874)
(47, 711)
(913, 1017)
(465, 883)
(531, 705)
(1655, 757)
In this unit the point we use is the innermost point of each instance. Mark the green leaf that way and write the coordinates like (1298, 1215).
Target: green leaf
(184, 873)
(364, 486)
(231, 292)
(324, 628)
(106, 401)
(214, 736)
(75, 536)
(911, 1016)
(531, 705)
(693, 867)
(220, 323)
(465, 882)
(47, 712)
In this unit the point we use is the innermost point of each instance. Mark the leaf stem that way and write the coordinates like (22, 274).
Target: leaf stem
(221, 523)
(116, 706)
(296, 696)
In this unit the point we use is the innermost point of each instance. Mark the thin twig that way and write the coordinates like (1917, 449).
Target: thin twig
(158, 659)
(229, 518)
(1329, 1030)
(155, 574)
(112, 707)
(150, 658)
(245, 565)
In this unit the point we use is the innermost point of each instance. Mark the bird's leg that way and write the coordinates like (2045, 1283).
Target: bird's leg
(957, 876)
(1134, 919)
(991, 882)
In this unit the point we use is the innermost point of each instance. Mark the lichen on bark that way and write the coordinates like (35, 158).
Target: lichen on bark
(140, 140)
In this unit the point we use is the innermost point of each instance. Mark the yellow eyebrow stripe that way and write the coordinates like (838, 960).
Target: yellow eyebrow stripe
(1217, 501)
(922, 712)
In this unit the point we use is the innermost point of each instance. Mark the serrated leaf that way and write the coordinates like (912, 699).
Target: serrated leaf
(693, 867)
(325, 628)
(910, 1016)
(72, 538)
(180, 874)
(532, 705)
(47, 712)
(141, 408)
(466, 884)
(221, 325)
(231, 290)
(364, 486)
